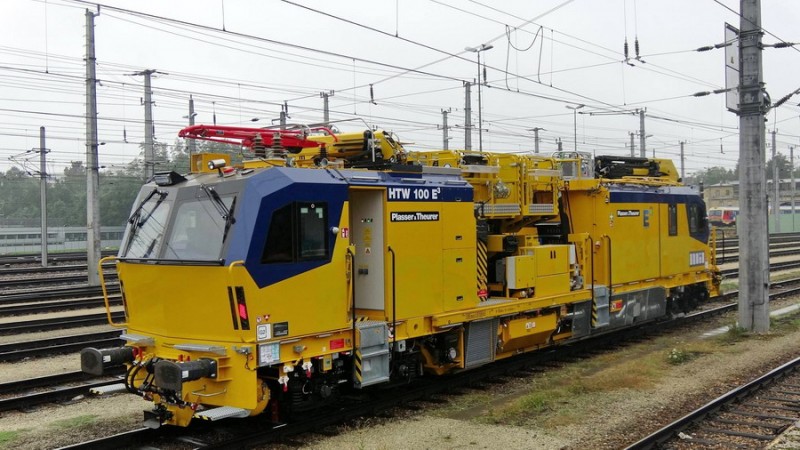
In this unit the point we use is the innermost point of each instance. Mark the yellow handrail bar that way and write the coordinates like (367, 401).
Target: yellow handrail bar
(105, 291)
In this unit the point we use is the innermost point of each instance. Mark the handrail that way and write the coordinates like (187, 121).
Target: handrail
(351, 254)
(105, 292)
(239, 262)
(610, 273)
(394, 303)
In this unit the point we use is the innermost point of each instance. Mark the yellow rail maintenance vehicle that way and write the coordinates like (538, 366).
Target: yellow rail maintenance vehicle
(332, 263)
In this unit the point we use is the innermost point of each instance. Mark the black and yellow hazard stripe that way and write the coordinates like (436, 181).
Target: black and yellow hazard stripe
(357, 365)
(594, 314)
(482, 266)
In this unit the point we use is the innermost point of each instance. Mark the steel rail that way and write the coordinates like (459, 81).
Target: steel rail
(668, 432)
(63, 344)
(57, 305)
(53, 380)
(57, 323)
(50, 280)
(51, 293)
(53, 395)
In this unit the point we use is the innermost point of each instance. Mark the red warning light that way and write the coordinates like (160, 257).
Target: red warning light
(242, 311)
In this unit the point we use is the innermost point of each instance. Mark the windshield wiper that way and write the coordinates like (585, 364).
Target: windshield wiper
(136, 219)
(223, 210)
(229, 221)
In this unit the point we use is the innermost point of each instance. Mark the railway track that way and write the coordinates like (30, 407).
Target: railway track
(62, 344)
(57, 323)
(51, 280)
(58, 305)
(53, 394)
(251, 432)
(749, 416)
(56, 293)
(8, 353)
(33, 258)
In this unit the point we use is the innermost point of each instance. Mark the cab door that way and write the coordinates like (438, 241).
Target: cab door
(367, 234)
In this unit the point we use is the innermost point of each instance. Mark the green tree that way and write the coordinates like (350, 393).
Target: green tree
(117, 193)
(67, 198)
(713, 175)
(19, 197)
(784, 171)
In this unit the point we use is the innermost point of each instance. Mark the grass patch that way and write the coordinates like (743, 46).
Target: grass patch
(556, 397)
(7, 437)
(734, 334)
(678, 356)
(785, 325)
(76, 422)
(726, 286)
(784, 276)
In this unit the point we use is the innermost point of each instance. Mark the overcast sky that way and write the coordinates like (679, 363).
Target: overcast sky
(547, 55)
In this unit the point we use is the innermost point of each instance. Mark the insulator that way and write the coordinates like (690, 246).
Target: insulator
(323, 152)
(626, 48)
(258, 146)
(636, 47)
(484, 74)
(372, 95)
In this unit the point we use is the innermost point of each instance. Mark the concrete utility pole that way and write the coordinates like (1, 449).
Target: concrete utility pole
(325, 107)
(683, 176)
(192, 142)
(575, 125)
(642, 136)
(445, 138)
(43, 192)
(92, 164)
(478, 50)
(633, 147)
(149, 153)
(467, 116)
(536, 139)
(752, 219)
(776, 184)
(791, 171)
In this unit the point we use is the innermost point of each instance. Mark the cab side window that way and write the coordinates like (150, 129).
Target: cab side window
(697, 222)
(297, 232)
(279, 238)
(672, 214)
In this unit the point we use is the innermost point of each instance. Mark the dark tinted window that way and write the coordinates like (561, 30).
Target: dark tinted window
(312, 220)
(297, 232)
(673, 219)
(279, 239)
(695, 213)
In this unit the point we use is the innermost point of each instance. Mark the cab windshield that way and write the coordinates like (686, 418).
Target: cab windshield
(147, 225)
(199, 230)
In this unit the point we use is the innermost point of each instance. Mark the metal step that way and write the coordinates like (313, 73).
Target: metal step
(109, 389)
(223, 412)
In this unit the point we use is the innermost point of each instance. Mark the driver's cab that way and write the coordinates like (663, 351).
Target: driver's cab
(575, 165)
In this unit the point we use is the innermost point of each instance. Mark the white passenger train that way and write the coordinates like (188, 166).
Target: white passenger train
(29, 239)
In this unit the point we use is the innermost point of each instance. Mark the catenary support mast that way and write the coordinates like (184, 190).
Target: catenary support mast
(43, 191)
(467, 116)
(752, 219)
(92, 165)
